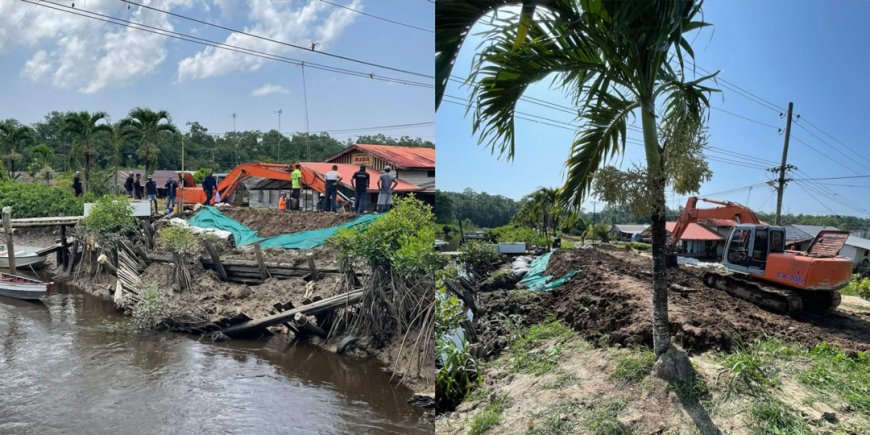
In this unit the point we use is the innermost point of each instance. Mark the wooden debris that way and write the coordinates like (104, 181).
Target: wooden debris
(216, 259)
(264, 272)
(10, 244)
(327, 304)
(682, 288)
(307, 325)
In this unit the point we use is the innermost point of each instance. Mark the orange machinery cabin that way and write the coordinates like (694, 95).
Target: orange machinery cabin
(819, 268)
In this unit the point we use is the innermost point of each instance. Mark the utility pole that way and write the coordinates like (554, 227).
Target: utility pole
(279, 119)
(782, 167)
(236, 139)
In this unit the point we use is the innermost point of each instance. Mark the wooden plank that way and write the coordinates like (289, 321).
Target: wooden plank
(10, 244)
(216, 259)
(45, 221)
(327, 304)
(264, 273)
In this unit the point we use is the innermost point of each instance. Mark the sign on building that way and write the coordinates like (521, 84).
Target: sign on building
(361, 159)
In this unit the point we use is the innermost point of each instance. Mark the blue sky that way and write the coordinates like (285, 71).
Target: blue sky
(813, 53)
(50, 60)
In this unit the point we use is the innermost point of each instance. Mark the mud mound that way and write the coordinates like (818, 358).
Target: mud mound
(612, 295)
(268, 222)
(502, 312)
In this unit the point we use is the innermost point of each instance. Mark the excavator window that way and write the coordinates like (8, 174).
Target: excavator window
(739, 246)
(777, 244)
(759, 248)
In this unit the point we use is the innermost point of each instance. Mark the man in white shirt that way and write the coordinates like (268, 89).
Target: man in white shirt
(332, 180)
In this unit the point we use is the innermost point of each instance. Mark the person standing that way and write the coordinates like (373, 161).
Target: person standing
(171, 188)
(332, 180)
(386, 184)
(137, 186)
(151, 193)
(77, 184)
(360, 182)
(128, 185)
(209, 183)
(295, 187)
(282, 202)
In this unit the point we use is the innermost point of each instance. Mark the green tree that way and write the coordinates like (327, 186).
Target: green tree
(146, 126)
(615, 59)
(84, 128)
(13, 138)
(445, 212)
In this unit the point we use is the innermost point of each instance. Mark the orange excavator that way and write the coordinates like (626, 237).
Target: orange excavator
(760, 269)
(273, 171)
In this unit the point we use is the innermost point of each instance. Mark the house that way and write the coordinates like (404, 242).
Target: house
(697, 240)
(858, 249)
(414, 165)
(799, 237)
(721, 226)
(626, 232)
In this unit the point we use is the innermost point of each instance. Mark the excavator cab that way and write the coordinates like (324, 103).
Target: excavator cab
(749, 245)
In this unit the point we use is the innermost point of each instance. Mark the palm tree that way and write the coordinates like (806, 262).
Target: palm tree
(13, 137)
(614, 59)
(146, 126)
(118, 140)
(84, 128)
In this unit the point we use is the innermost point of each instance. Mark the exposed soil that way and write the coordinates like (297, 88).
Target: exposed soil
(612, 296)
(269, 222)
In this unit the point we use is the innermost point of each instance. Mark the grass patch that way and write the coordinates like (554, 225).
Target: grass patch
(479, 393)
(694, 390)
(557, 419)
(603, 420)
(528, 353)
(634, 366)
(834, 373)
(489, 418)
(563, 380)
(770, 416)
(751, 369)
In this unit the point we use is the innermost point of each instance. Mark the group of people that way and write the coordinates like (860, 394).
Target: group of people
(360, 181)
(134, 188)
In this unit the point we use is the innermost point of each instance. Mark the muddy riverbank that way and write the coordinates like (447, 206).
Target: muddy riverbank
(66, 371)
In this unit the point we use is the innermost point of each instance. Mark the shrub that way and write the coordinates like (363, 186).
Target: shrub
(477, 256)
(200, 174)
(38, 200)
(858, 286)
(110, 218)
(149, 312)
(520, 234)
(183, 244)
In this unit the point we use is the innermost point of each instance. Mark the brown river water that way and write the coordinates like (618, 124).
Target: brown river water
(63, 370)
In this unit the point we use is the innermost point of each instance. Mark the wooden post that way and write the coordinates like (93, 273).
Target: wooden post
(264, 273)
(216, 259)
(10, 244)
(64, 256)
(306, 325)
(311, 267)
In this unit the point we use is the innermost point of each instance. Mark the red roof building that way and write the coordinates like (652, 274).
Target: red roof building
(415, 165)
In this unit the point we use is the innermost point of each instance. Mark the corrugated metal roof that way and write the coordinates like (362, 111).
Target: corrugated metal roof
(346, 171)
(800, 233)
(716, 222)
(858, 242)
(399, 157)
(630, 229)
(695, 232)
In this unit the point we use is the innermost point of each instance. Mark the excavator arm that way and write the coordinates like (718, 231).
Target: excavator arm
(728, 210)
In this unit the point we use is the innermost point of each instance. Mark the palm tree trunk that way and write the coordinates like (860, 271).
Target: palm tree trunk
(87, 180)
(655, 172)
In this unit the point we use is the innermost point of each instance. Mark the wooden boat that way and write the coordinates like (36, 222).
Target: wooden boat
(25, 256)
(20, 287)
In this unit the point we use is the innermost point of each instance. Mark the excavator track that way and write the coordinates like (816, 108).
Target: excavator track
(771, 298)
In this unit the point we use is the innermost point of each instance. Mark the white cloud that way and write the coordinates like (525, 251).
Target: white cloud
(315, 21)
(269, 88)
(37, 66)
(83, 54)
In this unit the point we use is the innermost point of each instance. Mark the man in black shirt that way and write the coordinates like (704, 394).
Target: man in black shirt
(171, 187)
(128, 185)
(151, 193)
(360, 182)
(77, 184)
(209, 183)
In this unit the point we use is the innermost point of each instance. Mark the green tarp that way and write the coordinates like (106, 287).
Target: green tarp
(210, 217)
(535, 278)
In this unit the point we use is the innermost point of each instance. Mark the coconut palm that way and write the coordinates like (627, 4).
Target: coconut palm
(13, 137)
(146, 127)
(84, 128)
(616, 59)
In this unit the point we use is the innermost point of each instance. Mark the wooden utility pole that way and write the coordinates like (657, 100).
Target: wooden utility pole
(180, 198)
(10, 245)
(782, 166)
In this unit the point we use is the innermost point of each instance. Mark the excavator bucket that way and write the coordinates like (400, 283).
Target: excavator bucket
(828, 243)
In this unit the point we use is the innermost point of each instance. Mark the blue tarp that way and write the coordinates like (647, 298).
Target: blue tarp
(535, 278)
(211, 217)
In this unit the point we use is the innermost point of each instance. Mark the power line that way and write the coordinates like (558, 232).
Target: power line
(823, 154)
(848, 157)
(835, 139)
(831, 178)
(202, 41)
(241, 32)
(817, 199)
(377, 17)
(746, 118)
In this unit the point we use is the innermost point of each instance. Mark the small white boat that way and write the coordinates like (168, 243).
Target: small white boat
(20, 287)
(25, 256)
